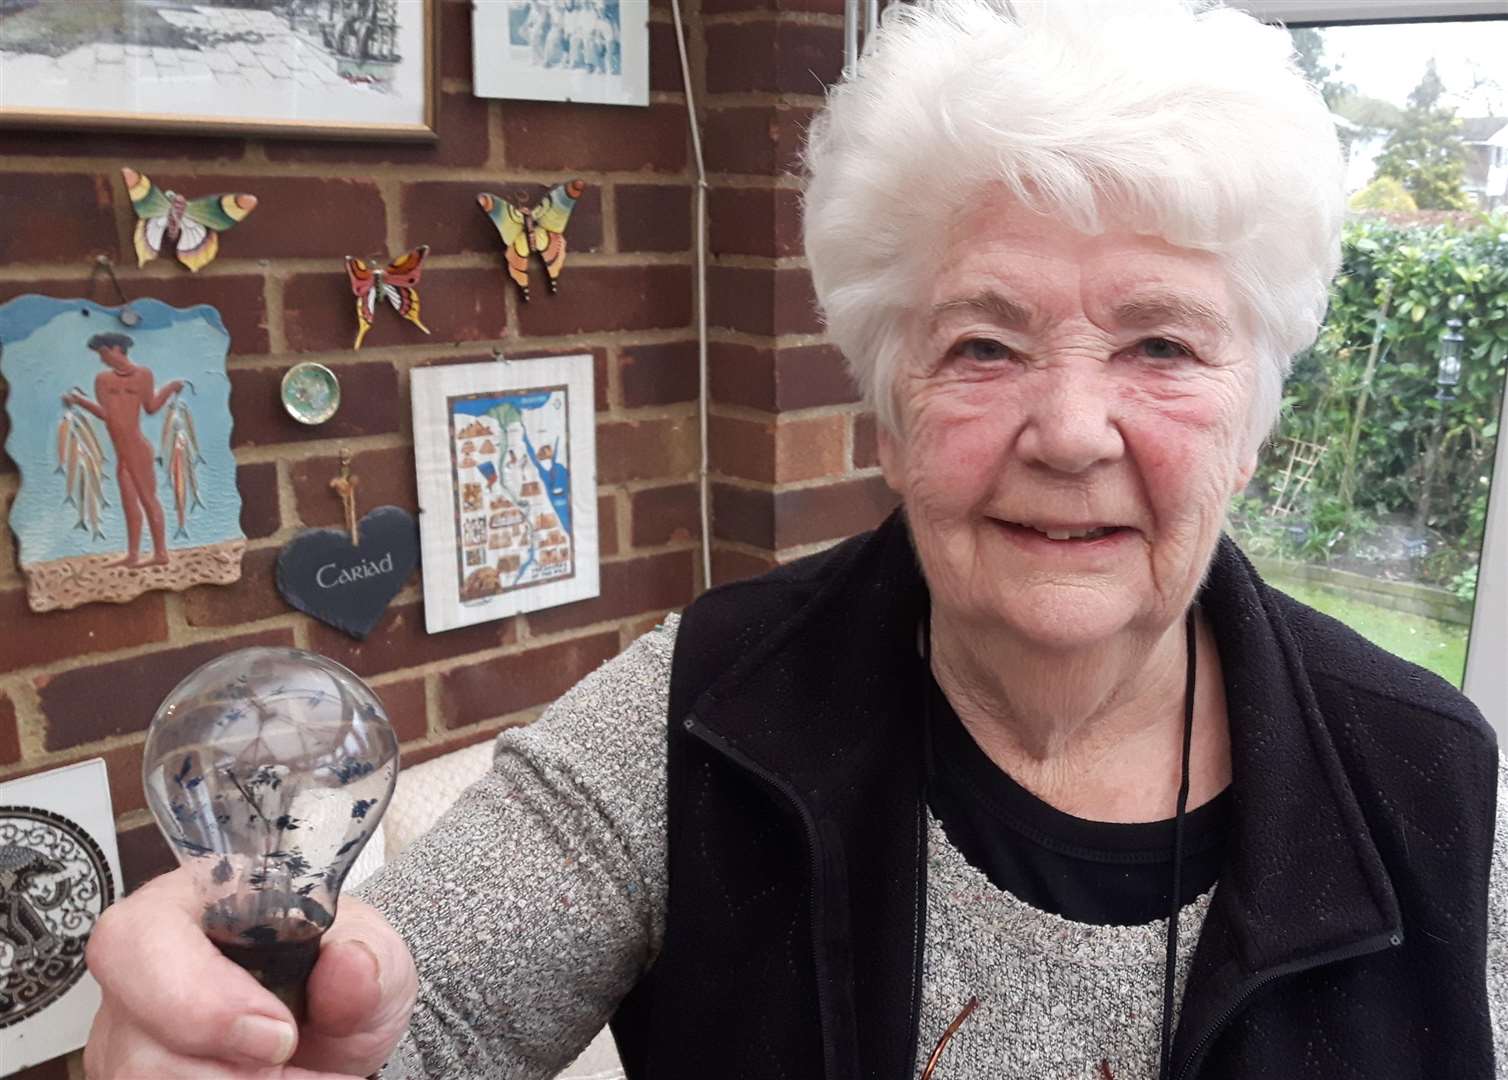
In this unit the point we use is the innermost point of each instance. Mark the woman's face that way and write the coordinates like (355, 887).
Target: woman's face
(1073, 413)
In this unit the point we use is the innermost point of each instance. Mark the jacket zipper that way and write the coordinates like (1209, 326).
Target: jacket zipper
(824, 1006)
(1371, 945)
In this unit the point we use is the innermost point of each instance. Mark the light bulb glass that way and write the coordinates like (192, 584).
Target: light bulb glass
(267, 770)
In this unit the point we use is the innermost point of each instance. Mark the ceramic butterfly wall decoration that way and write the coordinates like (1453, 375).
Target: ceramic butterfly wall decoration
(193, 224)
(397, 283)
(540, 231)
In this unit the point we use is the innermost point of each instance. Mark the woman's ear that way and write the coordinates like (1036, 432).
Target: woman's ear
(892, 454)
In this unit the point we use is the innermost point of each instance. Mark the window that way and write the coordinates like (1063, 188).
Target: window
(1375, 498)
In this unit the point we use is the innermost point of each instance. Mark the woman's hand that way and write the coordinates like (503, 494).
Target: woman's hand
(175, 1009)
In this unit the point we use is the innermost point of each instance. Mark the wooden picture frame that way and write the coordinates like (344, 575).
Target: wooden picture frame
(344, 69)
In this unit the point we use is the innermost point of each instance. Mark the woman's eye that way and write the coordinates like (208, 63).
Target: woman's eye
(1163, 349)
(982, 350)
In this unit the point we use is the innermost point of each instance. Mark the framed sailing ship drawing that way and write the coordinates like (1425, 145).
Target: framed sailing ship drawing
(507, 474)
(284, 67)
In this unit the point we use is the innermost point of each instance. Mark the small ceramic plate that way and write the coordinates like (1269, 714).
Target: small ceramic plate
(311, 393)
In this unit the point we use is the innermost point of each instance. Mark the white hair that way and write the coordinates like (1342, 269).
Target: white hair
(1185, 121)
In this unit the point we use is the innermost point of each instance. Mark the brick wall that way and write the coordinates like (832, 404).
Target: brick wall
(792, 457)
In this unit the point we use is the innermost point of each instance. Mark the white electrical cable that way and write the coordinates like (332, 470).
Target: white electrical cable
(703, 495)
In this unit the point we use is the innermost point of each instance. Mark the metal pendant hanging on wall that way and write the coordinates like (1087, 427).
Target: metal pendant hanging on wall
(537, 231)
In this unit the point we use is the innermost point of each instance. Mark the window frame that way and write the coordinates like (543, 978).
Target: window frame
(1343, 12)
(1486, 678)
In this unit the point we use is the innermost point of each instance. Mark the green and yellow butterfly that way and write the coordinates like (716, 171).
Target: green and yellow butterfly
(540, 231)
(193, 223)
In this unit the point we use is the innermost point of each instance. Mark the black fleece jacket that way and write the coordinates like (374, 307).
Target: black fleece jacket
(1346, 938)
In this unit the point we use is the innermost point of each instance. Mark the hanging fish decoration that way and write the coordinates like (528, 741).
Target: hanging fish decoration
(540, 231)
(193, 223)
(178, 452)
(81, 459)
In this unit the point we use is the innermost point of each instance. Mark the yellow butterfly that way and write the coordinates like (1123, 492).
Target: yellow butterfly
(540, 231)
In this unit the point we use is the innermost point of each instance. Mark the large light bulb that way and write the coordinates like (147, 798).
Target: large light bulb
(267, 770)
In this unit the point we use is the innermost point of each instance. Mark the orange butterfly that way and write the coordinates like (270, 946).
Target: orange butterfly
(398, 284)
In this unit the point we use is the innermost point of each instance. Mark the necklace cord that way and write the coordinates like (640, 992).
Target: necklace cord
(1169, 972)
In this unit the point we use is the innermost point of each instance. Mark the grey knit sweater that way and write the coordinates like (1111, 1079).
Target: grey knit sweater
(539, 900)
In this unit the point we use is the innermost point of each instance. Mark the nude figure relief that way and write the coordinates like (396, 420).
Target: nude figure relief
(123, 441)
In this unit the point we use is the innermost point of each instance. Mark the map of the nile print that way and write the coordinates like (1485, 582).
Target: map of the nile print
(511, 454)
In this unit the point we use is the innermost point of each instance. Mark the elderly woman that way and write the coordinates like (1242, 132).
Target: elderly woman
(1037, 780)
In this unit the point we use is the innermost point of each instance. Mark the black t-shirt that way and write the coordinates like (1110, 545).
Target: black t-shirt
(1104, 873)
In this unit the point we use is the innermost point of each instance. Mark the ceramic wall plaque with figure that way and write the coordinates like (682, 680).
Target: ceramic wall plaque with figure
(122, 436)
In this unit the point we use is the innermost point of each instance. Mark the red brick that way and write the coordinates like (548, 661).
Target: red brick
(754, 221)
(809, 515)
(807, 376)
(653, 217)
(745, 515)
(463, 140)
(609, 298)
(238, 298)
(123, 773)
(39, 638)
(418, 755)
(658, 374)
(764, 140)
(664, 59)
(774, 57)
(254, 596)
(866, 452)
(455, 40)
(144, 854)
(10, 737)
(400, 641)
(53, 217)
(778, 379)
(508, 684)
(646, 449)
(810, 448)
(444, 214)
(258, 485)
(607, 525)
(649, 583)
(369, 405)
(55, 1069)
(463, 306)
(53, 141)
(384, 478)
(296, 216)
(762, 301)
(742, 448)
(665, 514)
(559, 136)
(406, 711)
(88, 703)
(730, 565)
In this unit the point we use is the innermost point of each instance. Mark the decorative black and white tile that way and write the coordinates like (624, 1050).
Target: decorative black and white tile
(59, 870)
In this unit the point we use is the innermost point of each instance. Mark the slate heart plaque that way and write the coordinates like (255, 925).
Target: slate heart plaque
(322, 574)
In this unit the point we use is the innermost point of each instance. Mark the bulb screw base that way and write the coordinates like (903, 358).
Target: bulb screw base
(281, 966)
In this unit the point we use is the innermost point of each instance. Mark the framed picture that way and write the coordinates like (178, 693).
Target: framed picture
(562, 50)
(506, 458)
(343, 68)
